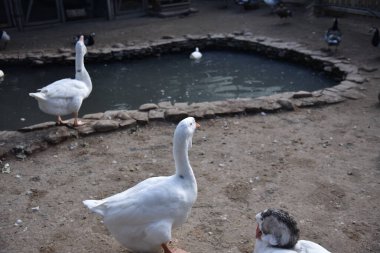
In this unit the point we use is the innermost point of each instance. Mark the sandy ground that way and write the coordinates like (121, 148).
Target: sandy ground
(320, 164)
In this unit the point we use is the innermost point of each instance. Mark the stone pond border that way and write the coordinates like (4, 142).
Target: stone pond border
(38, 137)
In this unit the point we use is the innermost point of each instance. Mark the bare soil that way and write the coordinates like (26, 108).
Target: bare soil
(321, 164)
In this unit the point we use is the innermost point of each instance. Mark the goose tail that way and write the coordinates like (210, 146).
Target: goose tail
(38, 95)
(95, 206)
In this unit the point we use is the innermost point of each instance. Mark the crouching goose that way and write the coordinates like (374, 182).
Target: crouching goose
(277, 232)
(142, 217)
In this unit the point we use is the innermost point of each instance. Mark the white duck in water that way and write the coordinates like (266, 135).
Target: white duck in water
(277, 232)
(196, 55)
(65, 96)
(142, 217)
(4, 38)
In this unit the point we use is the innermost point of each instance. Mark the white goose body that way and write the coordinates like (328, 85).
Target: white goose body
(65, 96)
(142, 217)
(196, 55)
(302, 246)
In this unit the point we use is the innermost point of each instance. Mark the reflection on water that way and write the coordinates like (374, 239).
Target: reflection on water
(127, 85)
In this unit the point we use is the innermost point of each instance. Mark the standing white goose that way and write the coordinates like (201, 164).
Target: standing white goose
(277, 232)
(65, 96)
(196, 55)
(142, 217)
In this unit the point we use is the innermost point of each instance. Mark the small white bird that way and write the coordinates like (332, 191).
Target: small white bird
(4, 38)
(65, 96)
(142, 217)
(196, 55)
(277, 232)
(1, 74)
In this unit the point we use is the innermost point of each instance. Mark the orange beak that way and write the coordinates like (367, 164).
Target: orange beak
(197, 125)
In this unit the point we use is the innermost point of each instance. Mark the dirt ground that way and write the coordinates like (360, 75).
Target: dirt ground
(320, 164)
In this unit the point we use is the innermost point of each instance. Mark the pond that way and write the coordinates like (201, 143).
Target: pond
(128, 84)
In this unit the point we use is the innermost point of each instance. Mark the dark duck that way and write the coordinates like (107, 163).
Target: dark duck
(89, 39)
(333, 36)
(282, 11)
(375, 38)
(248, 4)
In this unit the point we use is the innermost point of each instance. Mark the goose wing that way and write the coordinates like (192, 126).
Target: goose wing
(65, 88)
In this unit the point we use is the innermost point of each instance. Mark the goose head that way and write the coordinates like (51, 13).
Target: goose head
(277, 228)
(80, 52)
(185, 130)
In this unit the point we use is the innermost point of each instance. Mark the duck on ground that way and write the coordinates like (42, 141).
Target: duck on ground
(196, 55)
(4, 38)
(88, 39)
(272, 3)
(282, 11)
(142, 218)
(248, 4)
(333, 35)
(277, 232)
(65, 96)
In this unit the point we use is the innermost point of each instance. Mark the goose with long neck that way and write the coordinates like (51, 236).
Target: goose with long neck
(142, 217)
(65, 96)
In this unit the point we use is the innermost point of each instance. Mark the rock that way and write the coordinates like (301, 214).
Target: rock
(59, 134)
(286, 104)
(368, 69)
(147, 107)
(352, 94)
(355, 78)
(85, 129)
(118, 45)
(175, 114)
(98, 115)
(167, 37)
(123, 115)
(128, 123)
(140, 117)
(105, 125)
(157, 114)
(302, 94)
(38, 126)
(165, 105)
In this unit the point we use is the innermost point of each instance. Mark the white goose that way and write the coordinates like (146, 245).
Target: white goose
(65, 96)
(142, 217)
(196, 55)
(277, 232)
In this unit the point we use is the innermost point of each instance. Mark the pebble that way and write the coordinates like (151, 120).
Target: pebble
(18, 222)
(35, 209)
(6, 168)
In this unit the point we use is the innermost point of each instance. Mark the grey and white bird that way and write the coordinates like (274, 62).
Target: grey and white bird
(277, 232)
(142, 218)
(4, 38)
(333, 35)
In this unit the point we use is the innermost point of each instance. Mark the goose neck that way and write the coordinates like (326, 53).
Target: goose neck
(81, 73)
(181, 158)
